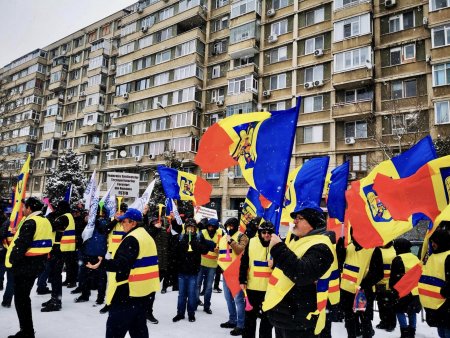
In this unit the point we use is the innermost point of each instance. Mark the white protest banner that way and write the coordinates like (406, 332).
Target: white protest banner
(126, 184)
(202, 212)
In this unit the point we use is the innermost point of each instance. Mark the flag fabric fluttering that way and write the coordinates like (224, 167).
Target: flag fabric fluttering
(106, 203)
(251, 208)
(304, 184)
(68, 193)
(89, 193)
(89, 229)
(46, 202)
(180, 185)
(231, 276)
(140, 202)
(19, 194)
(368, 216)
(261, 143)
(443, 216)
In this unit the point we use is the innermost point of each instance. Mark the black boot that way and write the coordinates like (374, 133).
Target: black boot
(23, 334)
(53, 305)
(404, 332)
(152, 319)
(411, 332)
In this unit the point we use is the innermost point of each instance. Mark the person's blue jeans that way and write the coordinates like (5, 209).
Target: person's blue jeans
(443, 332)
(9, 290)
(208, 275)
(236, 306)
(42, 279)
(187, 294)
(402, 320)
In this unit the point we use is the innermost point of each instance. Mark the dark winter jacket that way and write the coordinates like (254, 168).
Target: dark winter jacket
(409, 303)
(26, 266)
(291, 312)
(80, 224)
(243, 268)
(97, 244)
(161, 238)
(188, 262)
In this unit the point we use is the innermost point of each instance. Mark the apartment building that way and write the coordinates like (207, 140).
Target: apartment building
(142, 85)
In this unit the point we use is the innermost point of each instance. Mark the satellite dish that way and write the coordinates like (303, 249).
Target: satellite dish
(231, 175)
(123, 153)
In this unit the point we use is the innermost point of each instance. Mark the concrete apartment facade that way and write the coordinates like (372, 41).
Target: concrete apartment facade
(144, 83)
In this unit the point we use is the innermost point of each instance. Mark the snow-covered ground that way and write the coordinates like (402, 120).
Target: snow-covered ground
(83, 320)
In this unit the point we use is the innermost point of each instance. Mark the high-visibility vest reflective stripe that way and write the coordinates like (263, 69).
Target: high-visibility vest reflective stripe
(115, 237)
(209, 260)
(432, 280)
(388, 255)
(259, 271)
(68, 238)
(410, 261)
(355, 268)
(144, 275)
(223, 262)
(42, 239)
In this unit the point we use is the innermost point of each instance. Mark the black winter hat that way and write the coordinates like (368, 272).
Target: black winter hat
(33, 203)
(441, 236)
(402, 245)
(233, 221)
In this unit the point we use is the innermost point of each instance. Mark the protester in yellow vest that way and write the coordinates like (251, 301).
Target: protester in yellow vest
(254, 273)
(362, 270)
(26, 256)
(434, 285)
(409, 304)
(135, 275)
(385, 308)
(208, 262)
(297, 292)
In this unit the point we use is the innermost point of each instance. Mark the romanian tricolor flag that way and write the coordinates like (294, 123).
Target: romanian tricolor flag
(252, 208)
(261, 143)
(369, 217)
(305, 184)
(180, 185)
(16, 214)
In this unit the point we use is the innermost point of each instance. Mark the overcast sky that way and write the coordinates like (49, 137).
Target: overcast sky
(29, 24)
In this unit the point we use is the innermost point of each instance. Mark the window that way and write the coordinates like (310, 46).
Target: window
(217, 95)
(215, 72)
(242, 84)
(358, 162)
(279, 28)
(277, 81)
(357, 95)
(124, 69)
(439, 4)
(441, 74)
(278, 54)
(166, 13)
(277, 4)
(219, 47)
(344, 3)
(314, 73)
(105, 30)
(281, 105)
(313, 134)
(403, 89)
(161, 79)
(355, 26)
(245, 6)
(401, 22)
(185, 72)
(244, 32)
(139, 128)
(219, 24)
(126, 49)
(184, 95)
(241, 108)
(442, 112)
(312, 44)
(441, 36)
(213, 176)
(128, 29)
(163, 56)
(220, 3)
(312, 104)
(352, 59)
(183, 144)
(182, 119)
(145, 41)
(315, 16)
(356, 129)
(98, 61)
(148, 21)
(137, 150)
(92, 36)
(156, 148)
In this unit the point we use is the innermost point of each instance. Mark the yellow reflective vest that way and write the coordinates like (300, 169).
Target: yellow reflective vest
(388, 255)
(42, 239)
(68, 240)
(432, 280)
(115, 237)
(409, 261)
(144, 275)
(259, 270)
(279, 285)
(210, 259)
(226, 254)
(356, 267)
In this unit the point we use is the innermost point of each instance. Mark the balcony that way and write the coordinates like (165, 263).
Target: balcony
(349, 11)
(243, 48)
(415, 33)
(440, 54)
(242, 71)
(48, 153)
(248, 96)
(412, 68)
(351, 43)
(92, 129)
(342, 110)
(88, 148)
(94, 108)
(438, 17)
(362, 144)
(347, 79)
(58, 85)
(405, 104)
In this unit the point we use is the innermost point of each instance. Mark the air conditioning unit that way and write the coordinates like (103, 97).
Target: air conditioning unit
(152, 156)
(272, 38)
(219, 103)
(266, 93)
(198, 105)
(69, 98)
(125, 95)
(144, 29)
(308, 85)
(64, 133)
(271, 12)
(82, 94)
(352, 175)
(318, 83)
(349, 140)
(138, 158)
(318, 52)
(390, 3)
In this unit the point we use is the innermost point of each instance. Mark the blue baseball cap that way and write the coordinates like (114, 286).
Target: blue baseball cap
(131, 214)
(8, 210)
(214, 222)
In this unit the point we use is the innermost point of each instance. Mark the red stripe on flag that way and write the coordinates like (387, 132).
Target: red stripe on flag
(273, 280)
(202, 191)
(409, 281)
(350, 278)
(143, 276)
(262, 274)
(322, 305)
(231, 276)
(431, 294)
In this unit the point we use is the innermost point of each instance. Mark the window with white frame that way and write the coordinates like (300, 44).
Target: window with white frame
(185, 48)
(312, 104)
(217, 95)
(182, 119)
(242, 85)
(276, 106)
(96, 62)
(213, 176)
(126, 49)
(314, 73)
(441, 74)
(357, 95)
(358, 162)
(278, 54)
(356, 129)
(145, 41)
(185, 72)
(442, 112)
(184, 95)
(244, 6)
(148, 21)
(124, 69)
(219, 24)
(277, 81)
(128, 29)
(352, 59)
(158, 124)
(315, 16)
(338, 4)
(243, 32)
(351, 27)
(161, 79)
(219, 47)
(436, 5)
(221, 3)
(156, 148)
(137, 150)
(279, 28)
(277, 4)
(241, 108)
(313, 134)
(163, 56)
(401, 22)
(166, 13)
(313, 43)
(182, 144)
(215, 72)
(403, 89)
(139, 128)
(441, 36)
(403, 54)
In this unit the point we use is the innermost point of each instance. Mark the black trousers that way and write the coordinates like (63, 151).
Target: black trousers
(360, 322)
(55, 277)
(128, 316)
(22, 301)
(386, 307)
(217, 278)
(265, 328)
(285, 333)
(71, 262)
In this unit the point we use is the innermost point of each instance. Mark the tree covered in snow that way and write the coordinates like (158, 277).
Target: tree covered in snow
(442, 145)
(68, 172)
